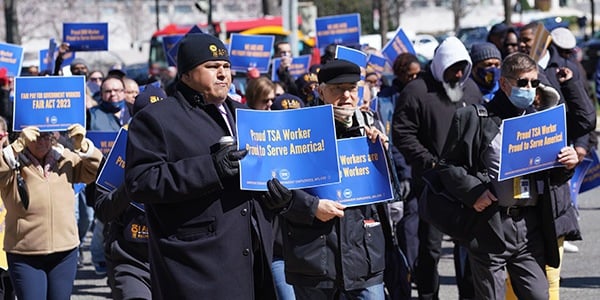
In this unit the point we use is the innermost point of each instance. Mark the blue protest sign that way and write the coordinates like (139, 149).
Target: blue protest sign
(250, 51)
(376, 63)
(298, 67)
(11, 58)
(86, 36)
(592, 176)
(170, 47)
(286, 145)
(577, 179)
(47, 63)
(113, 171)
(356, 56)
(50, 103)
(400, 43)
(365, 175)
(340, 29)
(531, 143)
(103, 140)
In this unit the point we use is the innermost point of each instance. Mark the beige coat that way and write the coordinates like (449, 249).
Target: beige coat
(49, 224)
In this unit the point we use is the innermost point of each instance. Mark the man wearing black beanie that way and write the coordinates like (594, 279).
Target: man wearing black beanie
(208, 238)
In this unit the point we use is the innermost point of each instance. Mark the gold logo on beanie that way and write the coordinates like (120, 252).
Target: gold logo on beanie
(216, 52)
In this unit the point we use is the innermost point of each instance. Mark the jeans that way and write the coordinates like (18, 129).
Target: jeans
(283, 289)
(49, 276)
(97, 244)
(374, 292)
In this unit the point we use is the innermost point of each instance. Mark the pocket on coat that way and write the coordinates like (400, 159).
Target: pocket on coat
(198, 229)
(375, 245)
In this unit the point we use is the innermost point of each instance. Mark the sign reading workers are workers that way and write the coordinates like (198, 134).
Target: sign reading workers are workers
(365, 174)
(296, 146)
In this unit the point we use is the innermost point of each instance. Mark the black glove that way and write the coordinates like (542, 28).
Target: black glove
(226, 160)
(405, 188)
(278, 196)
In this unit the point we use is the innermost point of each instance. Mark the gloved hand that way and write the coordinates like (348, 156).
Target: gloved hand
(76, 133)
(29, 135)
(404, 188)
(226, 160)
(278, 195)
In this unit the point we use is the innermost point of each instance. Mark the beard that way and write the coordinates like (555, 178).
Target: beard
(453, 91)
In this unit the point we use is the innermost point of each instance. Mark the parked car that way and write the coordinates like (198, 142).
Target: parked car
(425, 44)
(472, 35)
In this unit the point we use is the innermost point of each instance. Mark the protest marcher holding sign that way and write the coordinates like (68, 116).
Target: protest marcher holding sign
(525, 203)
(41, 237)
(340, 238)
(208, 238)
(126, 243)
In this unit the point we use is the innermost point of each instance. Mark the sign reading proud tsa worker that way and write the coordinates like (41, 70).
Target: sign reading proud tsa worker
(340, 29)
(113, 171)
(86, 36)
(250, 51)
(531, 143)
(365, 176)
(11, 57)
(50, 103)
(397, 45)
(296, 146)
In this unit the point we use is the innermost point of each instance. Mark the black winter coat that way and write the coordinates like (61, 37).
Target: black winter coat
(201, 227)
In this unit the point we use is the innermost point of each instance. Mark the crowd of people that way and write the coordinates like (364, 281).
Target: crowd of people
(180, 227)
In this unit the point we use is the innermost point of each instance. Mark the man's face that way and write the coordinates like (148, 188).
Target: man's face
(526, 41)
(42, 145)
(211, 79)
(340, 94)
(411, 73)
(482, 65)
(113, 90)
(283, 50)
(455, 72)
(79, 69)
(131, 91)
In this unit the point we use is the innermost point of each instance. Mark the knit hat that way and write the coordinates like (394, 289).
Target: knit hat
(483, 51)
(563, 38)
(286, 101)
(198, 48)
(149, 95)
(78, 61)
(339, 71)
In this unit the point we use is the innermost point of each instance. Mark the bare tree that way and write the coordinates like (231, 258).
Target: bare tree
(11, 22)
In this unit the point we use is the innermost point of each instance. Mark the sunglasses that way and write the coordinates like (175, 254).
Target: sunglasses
(524, 81)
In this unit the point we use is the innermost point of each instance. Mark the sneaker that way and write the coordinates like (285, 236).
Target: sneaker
(100, 268)
(570, 248)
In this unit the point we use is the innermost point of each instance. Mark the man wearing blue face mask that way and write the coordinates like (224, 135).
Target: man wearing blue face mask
(486, 60)
(519, 238)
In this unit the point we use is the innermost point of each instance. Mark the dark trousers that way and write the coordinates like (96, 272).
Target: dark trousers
(128, 275)
(407, 231)
(523, 258)
(49, 276)
(430, 249)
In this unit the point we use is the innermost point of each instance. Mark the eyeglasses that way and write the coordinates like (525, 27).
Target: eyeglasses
(96, 78)
(268, 99)
(523, 82)
(131, 92)
(113, 90)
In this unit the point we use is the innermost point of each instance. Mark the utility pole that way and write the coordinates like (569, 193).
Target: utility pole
(156, 10)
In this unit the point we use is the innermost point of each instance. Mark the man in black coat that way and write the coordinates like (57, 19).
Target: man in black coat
(420, 124)
(208, 238)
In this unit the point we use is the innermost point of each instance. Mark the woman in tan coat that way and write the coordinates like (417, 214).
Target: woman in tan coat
(36, 184)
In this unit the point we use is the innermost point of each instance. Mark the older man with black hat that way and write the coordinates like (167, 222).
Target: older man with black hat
(208, 238)
(329, 249)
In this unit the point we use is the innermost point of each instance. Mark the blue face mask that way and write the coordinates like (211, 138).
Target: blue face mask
(522, 97)
(119, 105)
(489, 75)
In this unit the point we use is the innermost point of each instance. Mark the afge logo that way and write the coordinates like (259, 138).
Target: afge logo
(284, 174)
(347, 193)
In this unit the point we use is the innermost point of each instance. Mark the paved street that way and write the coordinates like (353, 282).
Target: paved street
(580, 273)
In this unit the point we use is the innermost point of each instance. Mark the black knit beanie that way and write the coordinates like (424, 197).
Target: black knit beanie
(198, 48)
(483, 51)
